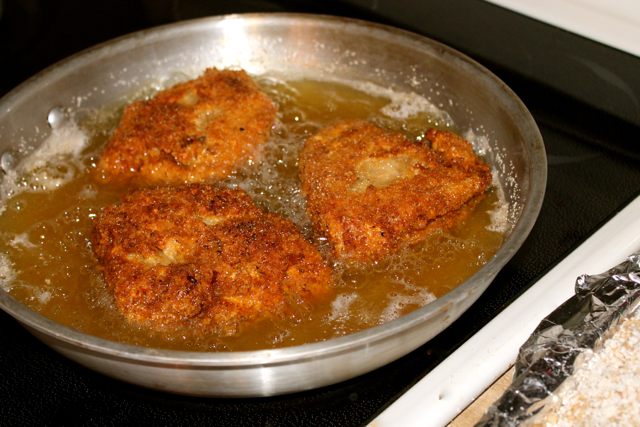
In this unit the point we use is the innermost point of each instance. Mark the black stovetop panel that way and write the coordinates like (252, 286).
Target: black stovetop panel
(593, 172)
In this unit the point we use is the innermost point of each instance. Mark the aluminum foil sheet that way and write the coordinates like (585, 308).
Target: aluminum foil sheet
(550, 354)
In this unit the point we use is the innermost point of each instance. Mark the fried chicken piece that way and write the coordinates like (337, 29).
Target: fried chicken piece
(206, 257)
(196, 131)
(372, 192)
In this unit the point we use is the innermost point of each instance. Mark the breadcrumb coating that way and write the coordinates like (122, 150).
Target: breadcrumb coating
(204, 256)
(197, 131)
(371, 193)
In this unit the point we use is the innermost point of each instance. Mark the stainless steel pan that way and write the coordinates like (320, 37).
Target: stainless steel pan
(295, 45)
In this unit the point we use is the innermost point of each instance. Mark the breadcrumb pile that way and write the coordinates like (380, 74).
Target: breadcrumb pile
(603, 391)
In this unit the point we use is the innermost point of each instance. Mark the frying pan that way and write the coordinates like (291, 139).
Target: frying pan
(295, 45)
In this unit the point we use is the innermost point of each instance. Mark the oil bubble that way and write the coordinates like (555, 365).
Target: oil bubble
(56, 118)
(8, 161)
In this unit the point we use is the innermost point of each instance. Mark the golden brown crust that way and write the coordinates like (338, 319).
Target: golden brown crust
(204, 256)
(371, 192)
(196, 131)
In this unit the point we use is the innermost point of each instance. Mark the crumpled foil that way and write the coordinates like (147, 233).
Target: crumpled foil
(549, 355)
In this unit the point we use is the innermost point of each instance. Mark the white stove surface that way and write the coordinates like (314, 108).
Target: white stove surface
(615, 23)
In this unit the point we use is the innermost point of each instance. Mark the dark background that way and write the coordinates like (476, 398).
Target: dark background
(583, 96)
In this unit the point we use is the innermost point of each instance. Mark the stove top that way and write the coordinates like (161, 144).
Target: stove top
(582, 94)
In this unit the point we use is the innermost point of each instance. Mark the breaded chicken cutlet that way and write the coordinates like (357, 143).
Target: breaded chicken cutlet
(371, 192)
(204, 257)
(197, 131)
